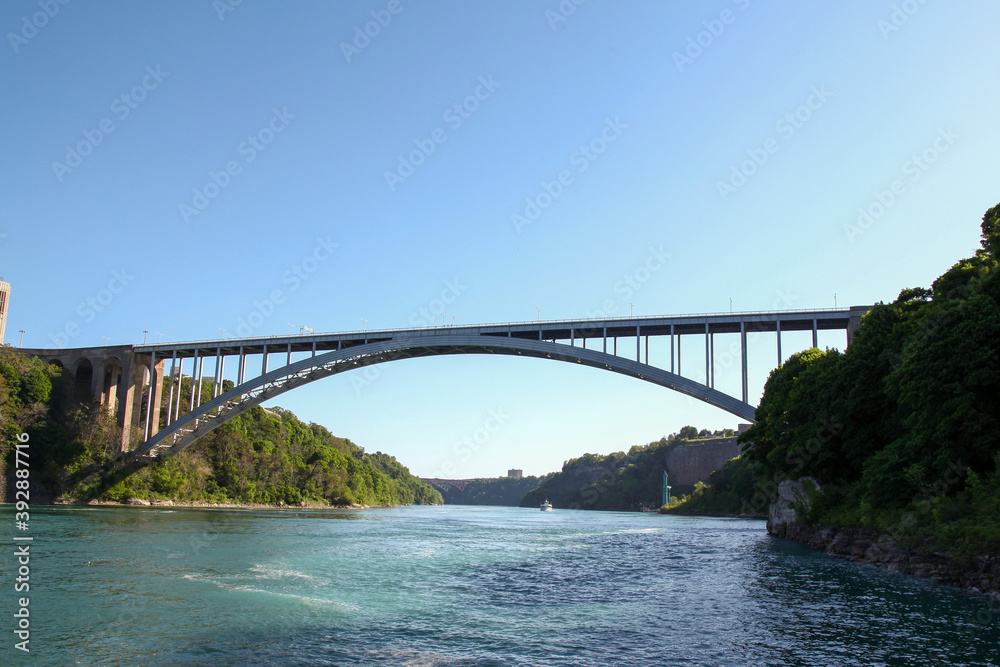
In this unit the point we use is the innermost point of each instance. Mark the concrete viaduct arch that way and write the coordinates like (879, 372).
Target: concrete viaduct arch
(113, 375)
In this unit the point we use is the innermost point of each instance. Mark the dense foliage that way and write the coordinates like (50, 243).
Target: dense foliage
(506, 491)
(618, 481)
(903, 429)
(262, 456)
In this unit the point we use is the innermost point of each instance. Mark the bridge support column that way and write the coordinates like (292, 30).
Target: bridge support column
(215, 373)
(201, 376)
(679, 354)
(263, 363)
(605, 335)
(110, 377)
(194, 374)
(180, 385)
(154, 424)
(708, 370)
(671, 348)
(129, 387)
(154, 398)
(638, 343)
(743, 359)
(712, 355)
(780, 358)
(170, 396)
(222, 374)
(857, 312)
(815, 334)
(243, 367)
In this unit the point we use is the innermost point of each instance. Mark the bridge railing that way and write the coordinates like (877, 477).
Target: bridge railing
(208, 342)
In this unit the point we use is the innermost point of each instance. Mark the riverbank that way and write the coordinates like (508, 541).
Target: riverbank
(863, 545)
(980, 573)
(141, 502)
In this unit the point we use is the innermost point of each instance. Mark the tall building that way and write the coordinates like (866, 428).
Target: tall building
(4, 300)
(514, 472)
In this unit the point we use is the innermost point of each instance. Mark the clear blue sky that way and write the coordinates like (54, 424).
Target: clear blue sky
(117, 115)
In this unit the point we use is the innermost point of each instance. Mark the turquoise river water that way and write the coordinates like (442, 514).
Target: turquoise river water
(458, 585)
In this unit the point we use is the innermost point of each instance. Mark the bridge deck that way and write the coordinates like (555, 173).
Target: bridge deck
(586, 329)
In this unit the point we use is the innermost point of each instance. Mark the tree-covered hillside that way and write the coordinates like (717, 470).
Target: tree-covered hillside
(903, 429)
(262, 456)
(506, 491)
(618, 481)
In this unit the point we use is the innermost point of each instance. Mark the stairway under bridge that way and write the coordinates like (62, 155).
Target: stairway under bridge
(121, 375)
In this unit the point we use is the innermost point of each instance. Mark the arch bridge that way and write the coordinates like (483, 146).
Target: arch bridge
(121, 376)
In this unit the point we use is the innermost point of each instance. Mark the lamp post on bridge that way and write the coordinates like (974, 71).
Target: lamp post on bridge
(106, 339)
(160, 336)
(21, 343)
(223, 334)
(144, 332)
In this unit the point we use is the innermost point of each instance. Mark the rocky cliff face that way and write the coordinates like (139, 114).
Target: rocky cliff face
(781, 517)
(865, 545)
(694, 462)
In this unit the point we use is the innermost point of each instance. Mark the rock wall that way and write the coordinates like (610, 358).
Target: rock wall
(694, 462)
(865, 545)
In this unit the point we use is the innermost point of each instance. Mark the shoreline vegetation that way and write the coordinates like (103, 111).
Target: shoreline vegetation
(264, 457)
(900, 435)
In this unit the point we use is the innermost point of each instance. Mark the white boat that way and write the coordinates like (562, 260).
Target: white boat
(546, 506)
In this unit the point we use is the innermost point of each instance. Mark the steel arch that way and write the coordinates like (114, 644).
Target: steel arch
(190, 427)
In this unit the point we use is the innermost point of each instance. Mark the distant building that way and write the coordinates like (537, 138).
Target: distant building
(515, 472)
(4, 300)
(743, 427)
